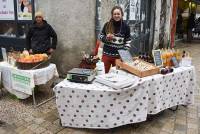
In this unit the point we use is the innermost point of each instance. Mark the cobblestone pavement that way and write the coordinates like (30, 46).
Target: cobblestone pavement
(19, 117)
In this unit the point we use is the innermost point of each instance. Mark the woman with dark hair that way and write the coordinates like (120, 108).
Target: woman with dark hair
(115, 35)
(190, 26)
(179, 26)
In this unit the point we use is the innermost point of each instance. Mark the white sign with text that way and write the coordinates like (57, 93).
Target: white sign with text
(7, 10)
(22, 81)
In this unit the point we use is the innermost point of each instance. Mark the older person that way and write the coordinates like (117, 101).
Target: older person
(41, 37)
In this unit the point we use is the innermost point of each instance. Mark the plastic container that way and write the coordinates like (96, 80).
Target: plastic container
(100, 68)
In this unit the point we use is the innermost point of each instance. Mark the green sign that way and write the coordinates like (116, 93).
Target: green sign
(22, 81)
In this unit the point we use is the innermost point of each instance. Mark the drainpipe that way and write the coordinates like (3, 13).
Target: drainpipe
(97, 25)
(98, 18)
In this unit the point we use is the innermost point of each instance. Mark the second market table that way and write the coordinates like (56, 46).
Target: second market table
(99, 106)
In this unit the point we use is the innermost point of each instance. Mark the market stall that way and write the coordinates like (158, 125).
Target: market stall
(21, 72)
(99, 106)
(130, 91)
(37, 77)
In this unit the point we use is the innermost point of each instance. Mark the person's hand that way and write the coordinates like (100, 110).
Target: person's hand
(50, 50)
(30, 51)
(109, 37)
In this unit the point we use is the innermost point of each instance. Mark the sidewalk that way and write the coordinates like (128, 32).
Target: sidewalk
(17, 117)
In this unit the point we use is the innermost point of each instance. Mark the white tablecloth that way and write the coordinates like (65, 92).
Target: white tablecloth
(99, 106)
(41, 76)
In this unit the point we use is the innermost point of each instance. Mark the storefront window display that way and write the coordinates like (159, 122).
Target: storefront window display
(8, 29)
(13, 30)
(16, 16)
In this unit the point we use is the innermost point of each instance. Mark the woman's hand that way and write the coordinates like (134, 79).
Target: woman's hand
(109, 37)
(50, 50)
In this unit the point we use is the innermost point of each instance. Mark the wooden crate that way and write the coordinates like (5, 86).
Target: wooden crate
(131, 69)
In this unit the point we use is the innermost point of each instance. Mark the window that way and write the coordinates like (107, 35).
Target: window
(8, 29)
(15, 17)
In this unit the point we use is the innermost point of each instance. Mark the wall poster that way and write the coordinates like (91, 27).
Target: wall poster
(7, 10)
(24, 9)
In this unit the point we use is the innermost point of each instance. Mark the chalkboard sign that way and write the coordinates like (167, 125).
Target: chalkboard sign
(157, 58)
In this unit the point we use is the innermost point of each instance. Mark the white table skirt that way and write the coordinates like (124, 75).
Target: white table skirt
(99, 106)
(41, 76)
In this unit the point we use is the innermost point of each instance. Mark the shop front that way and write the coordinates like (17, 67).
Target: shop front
(16, 16)
(184, 11)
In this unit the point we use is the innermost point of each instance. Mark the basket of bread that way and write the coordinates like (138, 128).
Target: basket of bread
(28, 61)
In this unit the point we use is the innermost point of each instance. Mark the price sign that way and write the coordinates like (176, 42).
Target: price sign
(157, 58)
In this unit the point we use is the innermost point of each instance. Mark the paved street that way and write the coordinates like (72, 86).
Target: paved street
(21, 118)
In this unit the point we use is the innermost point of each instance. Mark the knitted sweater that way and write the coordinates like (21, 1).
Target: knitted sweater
(121, 39)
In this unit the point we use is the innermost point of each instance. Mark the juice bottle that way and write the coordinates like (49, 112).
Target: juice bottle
(163, 56)
(171, 55)
(167, 55)
(178, 55)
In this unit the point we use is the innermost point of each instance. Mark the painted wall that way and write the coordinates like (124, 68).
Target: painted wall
(74, 22)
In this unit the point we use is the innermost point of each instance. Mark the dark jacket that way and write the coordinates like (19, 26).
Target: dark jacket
(39, 38)
(179, 25)
(191, 22)
(121, 32)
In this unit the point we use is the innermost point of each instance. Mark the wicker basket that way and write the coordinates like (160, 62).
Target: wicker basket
(37, 65)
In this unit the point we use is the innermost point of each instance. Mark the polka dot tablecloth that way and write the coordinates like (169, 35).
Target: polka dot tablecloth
(99, 106)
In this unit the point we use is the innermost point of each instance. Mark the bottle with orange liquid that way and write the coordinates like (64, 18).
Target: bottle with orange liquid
(167, 57)
(178, 55)
(164, 56)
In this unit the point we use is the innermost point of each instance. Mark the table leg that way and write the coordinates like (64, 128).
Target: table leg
(34, 100)
(174, 108)
(33, 95)
(45, 101)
